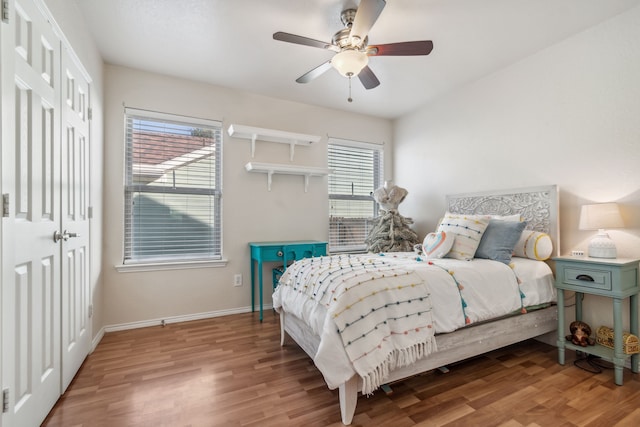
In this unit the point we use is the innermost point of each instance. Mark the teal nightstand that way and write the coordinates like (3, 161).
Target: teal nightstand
(613, 278)
(281, 252)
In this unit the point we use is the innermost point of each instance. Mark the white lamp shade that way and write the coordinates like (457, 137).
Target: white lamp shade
(350, 62)
(600, 216)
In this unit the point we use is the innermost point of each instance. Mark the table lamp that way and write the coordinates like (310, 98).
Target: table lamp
(598, 217)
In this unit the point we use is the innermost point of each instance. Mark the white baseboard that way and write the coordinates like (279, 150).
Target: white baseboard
(178, 319)
(96, 340)
(166, 320)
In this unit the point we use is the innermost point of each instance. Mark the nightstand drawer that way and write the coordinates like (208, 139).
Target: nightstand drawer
(587, 278)
(268, 253)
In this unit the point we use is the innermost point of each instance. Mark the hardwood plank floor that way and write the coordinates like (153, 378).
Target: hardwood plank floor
(231, 371)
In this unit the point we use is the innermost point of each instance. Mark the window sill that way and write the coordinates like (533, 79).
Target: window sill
(175, 265)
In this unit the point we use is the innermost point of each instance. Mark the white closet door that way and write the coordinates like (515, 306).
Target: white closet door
(76, 328)
(31, 177)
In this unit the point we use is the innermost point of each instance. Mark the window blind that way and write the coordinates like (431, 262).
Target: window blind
(172, 188)
(357, 173)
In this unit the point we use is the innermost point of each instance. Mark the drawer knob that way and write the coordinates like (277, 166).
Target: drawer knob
(585, 278)
(280, 253)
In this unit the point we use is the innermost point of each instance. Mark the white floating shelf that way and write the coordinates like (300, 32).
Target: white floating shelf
(254, 134)
(271, 168)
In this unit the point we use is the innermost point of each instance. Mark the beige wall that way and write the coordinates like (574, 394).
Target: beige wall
(250, 212)
(568, 115)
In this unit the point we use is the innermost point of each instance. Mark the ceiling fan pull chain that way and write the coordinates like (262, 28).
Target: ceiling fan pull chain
(349, 98)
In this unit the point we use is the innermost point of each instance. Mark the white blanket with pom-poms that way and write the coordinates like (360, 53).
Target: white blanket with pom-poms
(381, 310)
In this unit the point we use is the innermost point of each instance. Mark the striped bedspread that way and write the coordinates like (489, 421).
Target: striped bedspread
(381, 310)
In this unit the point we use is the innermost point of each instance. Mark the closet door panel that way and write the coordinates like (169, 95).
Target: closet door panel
(31, 261)
(76, 289)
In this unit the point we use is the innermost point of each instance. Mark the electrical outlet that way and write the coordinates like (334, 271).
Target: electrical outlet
(577, 253)
(237, 279)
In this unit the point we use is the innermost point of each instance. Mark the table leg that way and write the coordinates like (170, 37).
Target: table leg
(579, 296)
(561, 339)
(260, 286)
(253, 291)
(633, 323)
(618, 353)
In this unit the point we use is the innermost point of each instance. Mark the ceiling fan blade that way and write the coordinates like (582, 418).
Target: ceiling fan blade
(316, 72)
(423, 47)
(306, 41)
(367, 78)
(366, 16)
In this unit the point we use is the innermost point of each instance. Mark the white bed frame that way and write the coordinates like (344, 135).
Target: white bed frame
(539, 207)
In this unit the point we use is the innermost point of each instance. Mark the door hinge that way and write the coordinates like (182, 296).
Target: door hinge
(5, 11)
(90, 311)
(5, 400)
(5, 205)
(90, 113)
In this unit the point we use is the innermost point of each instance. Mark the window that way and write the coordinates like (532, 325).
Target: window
(357, 172)
(172, 188)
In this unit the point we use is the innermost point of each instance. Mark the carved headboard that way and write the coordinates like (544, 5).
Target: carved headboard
(536, 205)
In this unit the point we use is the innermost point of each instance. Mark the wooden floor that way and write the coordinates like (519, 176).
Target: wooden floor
(231, 371)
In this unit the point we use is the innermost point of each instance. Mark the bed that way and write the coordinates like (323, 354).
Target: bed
(371, 319)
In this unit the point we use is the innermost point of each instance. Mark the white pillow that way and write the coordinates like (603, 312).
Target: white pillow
(437, 245)
(468, 230)
(534, 245)
(513, 217)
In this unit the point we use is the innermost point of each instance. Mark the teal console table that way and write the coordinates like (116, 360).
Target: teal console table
(281, 252)
(613, 278)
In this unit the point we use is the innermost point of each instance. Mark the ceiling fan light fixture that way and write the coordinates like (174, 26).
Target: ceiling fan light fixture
(350, 62)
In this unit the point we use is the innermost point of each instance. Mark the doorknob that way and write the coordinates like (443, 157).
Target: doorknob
(65, 235)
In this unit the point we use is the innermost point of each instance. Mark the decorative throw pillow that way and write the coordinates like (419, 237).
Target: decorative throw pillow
(534, 245)
(437, 245)
(467, 229)
(499, 239)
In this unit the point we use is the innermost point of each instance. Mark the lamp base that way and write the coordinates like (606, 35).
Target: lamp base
(602, 246)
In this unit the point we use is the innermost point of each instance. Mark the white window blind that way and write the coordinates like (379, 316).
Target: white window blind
(172, 188)
(358, 169)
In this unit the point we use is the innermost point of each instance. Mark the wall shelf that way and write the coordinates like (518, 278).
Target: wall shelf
(254, 134)
(273, 168)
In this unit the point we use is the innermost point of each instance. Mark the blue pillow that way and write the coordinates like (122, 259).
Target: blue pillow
(499, 239)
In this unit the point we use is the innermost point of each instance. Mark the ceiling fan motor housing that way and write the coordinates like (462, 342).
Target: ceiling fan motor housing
(347, 16)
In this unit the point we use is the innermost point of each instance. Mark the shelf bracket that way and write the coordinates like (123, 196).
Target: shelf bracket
(269, 179)
(306, 182)
(292, 149)
(253, 144)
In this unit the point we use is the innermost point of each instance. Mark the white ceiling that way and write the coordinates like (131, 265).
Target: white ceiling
(229, 43)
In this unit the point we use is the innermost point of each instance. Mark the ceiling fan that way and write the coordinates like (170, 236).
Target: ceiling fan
(352, 48)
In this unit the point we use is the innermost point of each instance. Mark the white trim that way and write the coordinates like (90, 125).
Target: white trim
(178, 319)
(354, 143)
(169, 265)
(96, 340)
(172, 117)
